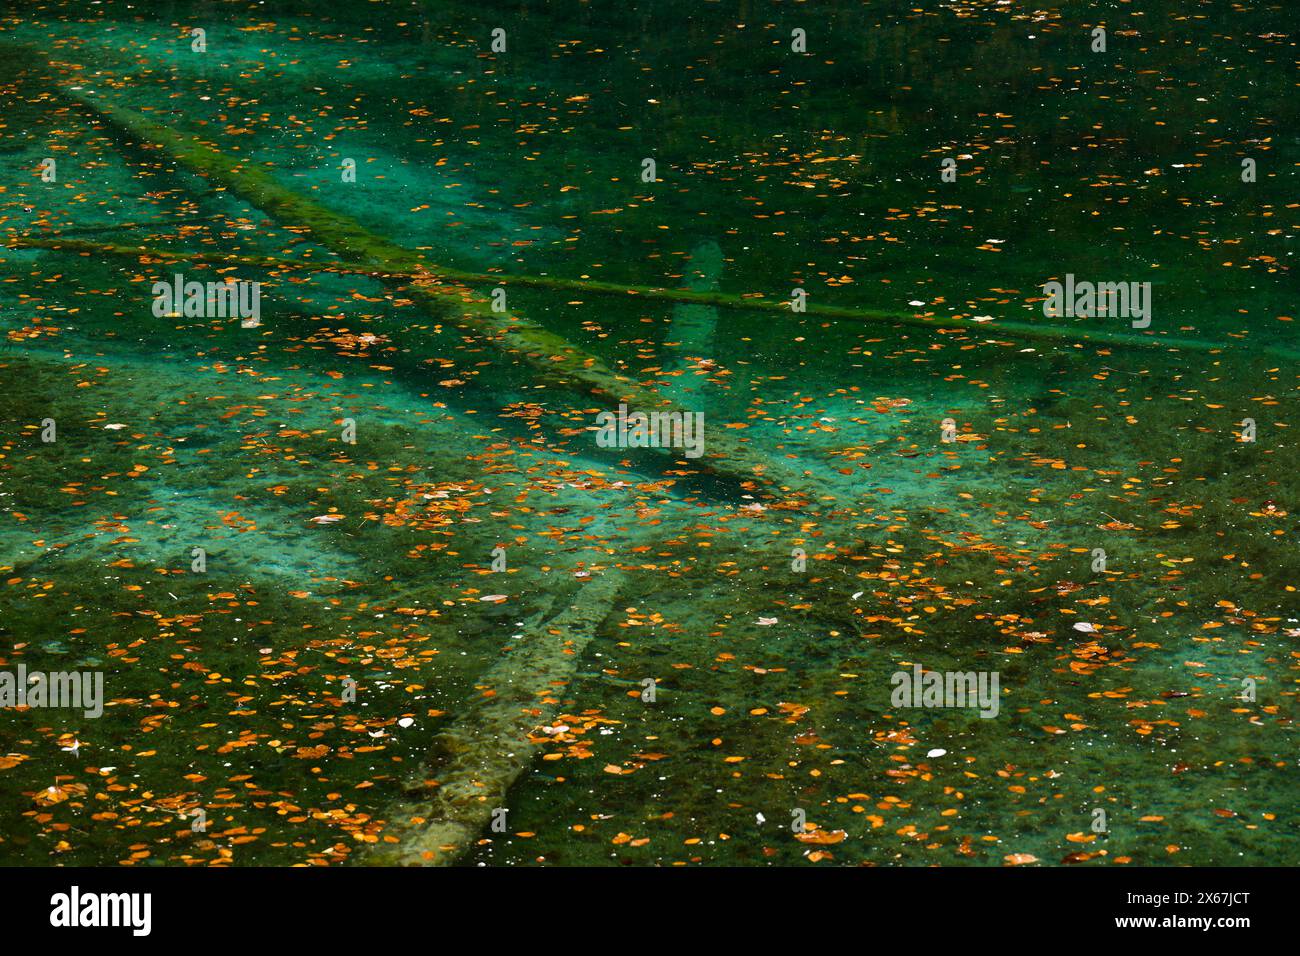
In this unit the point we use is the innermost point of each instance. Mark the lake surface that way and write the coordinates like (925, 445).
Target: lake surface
(393, 509)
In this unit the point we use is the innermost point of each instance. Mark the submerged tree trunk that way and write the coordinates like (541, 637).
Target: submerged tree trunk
(551, 354)
(994, 332)
(694, 325)
(491, 743)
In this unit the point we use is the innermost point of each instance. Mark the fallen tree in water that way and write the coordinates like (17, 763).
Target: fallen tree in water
(710, 299)
(557, 359)
(494, 740)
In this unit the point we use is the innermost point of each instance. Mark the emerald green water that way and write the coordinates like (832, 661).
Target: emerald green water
(819, 171)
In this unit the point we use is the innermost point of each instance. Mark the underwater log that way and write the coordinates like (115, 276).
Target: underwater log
(492, 742)
(551, 354)
(711, 299)
(694, 327)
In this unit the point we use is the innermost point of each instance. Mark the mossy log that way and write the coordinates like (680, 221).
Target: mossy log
(723, 300)
(85, 247)
(558, 359)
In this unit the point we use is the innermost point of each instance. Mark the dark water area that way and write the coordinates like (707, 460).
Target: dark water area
(411, 533)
